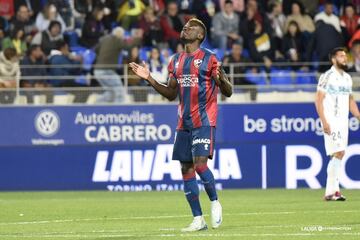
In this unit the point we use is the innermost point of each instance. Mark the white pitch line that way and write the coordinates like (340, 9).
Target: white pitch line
(163, 217)
(212, 235)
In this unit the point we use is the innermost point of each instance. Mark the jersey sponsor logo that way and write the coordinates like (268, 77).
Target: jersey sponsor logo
(188, 80)
(201, 141)
(47, 123)
(197, 62)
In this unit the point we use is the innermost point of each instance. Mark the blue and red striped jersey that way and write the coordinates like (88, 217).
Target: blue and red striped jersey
(197, 89)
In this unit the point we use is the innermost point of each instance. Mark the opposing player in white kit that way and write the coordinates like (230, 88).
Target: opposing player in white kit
(333, 102)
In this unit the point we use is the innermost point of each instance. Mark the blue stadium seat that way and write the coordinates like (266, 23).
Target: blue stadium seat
(281, 77)
(308, 78)
(144, 53)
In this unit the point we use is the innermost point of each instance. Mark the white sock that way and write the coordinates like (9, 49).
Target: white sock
(337, 168)
(330, 181)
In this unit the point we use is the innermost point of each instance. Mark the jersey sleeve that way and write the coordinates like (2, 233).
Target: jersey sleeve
(323, 83)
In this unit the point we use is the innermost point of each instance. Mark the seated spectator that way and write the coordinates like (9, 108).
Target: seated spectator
(32, 65)
(150, 24)
(33, 6)
(293, 47)
(277, 22)
(130, 12)
(354, 64)
(23, 20)
(261, 46)
(35, 57)
(16, 40)
(93, 27)
(239, 5)
(49, 38)
(133, 79)
(4, 27)
(349, 22)
(235, 57)
(156, 66)
(49, 14)
(61, 56)
(172, 24)
(64, 10)
(158, 6)
(7, 10)
(298, 15)
(329, 17)
(225, 27)
(107, 51)
(9, 74)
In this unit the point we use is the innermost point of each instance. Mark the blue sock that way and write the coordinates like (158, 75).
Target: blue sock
(191, 190)
(208, 180)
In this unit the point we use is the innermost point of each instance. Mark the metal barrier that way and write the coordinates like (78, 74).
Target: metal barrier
(281, 85)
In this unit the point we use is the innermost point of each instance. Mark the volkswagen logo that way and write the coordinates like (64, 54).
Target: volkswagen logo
(47, 123)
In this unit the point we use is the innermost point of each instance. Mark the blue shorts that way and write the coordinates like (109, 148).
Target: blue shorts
(197, 142)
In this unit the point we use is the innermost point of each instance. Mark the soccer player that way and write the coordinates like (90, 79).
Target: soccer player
(333, 102)
(195, 77)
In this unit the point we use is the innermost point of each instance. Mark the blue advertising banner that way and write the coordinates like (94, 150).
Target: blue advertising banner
(129, 148)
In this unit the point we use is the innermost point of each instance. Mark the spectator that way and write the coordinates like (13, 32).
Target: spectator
(93, 27)
(225, 27)
(9, 74)
(48, 15)
(349, 21)
(235, 57)
(61, 56)
(23, 20)
(35, 57)
(4, 27)
(261, 46)
(157, 67)
(49, 38)
(32, 66)
(355, 56)
(329, 17)
(107, 51)
(150, 24)
(130, 12)
(16, 40)
(324, 39)
(133, 79)
(312, 6)
(172, 24)
(179, 48)
(293, 47)
(298, 15)
(33, 6)
(7, 9)
(64, 9)
(238, 5)
(277, 21)
(158, 6)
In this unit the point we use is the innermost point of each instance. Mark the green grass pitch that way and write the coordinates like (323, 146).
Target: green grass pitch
(248, 214)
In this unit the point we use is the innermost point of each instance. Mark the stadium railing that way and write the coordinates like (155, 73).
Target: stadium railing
(283, 82)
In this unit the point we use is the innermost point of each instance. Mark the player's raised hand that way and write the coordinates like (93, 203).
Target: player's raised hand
(326, 128)
(140, 70)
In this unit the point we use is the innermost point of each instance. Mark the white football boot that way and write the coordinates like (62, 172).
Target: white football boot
(197, 224)
(216, 214)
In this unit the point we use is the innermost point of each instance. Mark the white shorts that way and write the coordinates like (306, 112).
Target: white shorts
(337, 141)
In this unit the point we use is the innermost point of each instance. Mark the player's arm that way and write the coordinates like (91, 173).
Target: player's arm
(320, 95)
(354, 108)
(169, 91)
(223, 82)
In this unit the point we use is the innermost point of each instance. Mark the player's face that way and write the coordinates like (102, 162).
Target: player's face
(341, 60)
(190, 33)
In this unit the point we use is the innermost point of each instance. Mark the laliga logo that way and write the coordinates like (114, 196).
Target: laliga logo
(47, 123)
